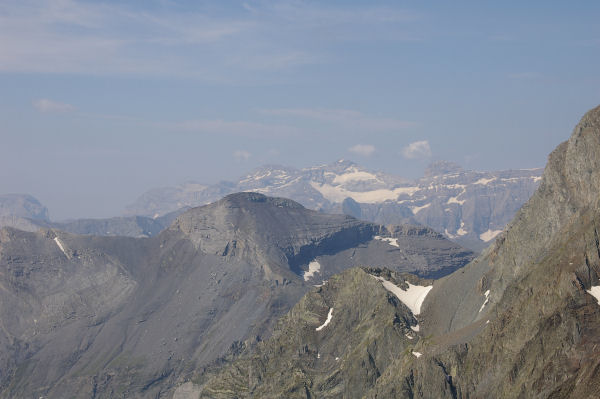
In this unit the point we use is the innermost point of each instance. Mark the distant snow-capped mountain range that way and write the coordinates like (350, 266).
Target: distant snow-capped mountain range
(470, 207)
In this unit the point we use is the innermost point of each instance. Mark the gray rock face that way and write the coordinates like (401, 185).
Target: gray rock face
(466, 206)
(521, 320)
(93, 316)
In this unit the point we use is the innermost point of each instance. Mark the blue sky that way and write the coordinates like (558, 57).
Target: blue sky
(103, 100)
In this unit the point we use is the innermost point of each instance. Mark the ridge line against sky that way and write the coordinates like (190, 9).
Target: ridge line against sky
(104, 99)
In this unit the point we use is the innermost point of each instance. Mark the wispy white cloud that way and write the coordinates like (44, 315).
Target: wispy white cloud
(101, 38)
(45, 105)
(365, 150)
(417, 150)
(342, 117)
(241, 155)
(106, 38)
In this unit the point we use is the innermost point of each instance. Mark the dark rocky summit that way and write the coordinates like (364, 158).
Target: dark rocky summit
(521, 320)
(115, 317)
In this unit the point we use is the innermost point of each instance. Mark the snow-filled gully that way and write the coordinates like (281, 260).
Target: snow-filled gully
(329, 316)
(413, 297)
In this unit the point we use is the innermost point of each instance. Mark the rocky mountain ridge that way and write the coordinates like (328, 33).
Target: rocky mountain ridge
(467, 206)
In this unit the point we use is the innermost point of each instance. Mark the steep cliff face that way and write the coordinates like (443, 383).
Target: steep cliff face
(522, 320)
(542, 333)
(567, 198)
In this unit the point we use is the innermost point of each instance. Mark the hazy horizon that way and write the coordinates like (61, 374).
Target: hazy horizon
(103, 101)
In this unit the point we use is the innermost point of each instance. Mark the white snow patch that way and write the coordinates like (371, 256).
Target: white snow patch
(339, 194)
(455, 200)
(355, 175)
(413, 297)
(487, 297)
(329, 315)
(484, 181)
(489, 235)
(389, 240)
(512, 179)
(289, 183)
(313, 267)
(409, 336)
(415, 328)
(337, 358)
(417, 209)
(318, 355)
(595, 292)
(487, 322)
(417, 354)
(455, 187)
(57, 241)
(461, 231)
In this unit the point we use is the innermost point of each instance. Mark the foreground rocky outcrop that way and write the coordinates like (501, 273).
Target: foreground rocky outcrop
(116, 317)
(522, 320)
